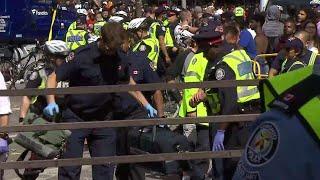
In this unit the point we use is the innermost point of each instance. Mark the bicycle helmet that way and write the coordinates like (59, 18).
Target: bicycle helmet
(56, 47)
(121, 13)
(117, 19)
(136, 23)
(315, 2)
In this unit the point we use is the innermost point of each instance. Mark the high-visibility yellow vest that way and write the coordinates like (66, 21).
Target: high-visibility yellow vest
(153, 29)
(75, 39)
(241, 65)
(168, 40)
(125, 25)
(97, 27)
(195, 73)
(44, 77)
(299, 92)
(72, 26)
(312, 60)
(153, 55)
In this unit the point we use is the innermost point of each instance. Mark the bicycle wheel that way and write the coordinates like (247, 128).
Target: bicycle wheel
(7, 69)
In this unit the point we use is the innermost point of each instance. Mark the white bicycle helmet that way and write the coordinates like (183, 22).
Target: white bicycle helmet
(56, 47)
(82, 12)
(136, 23)
(115, 19)
(121, 13)
(315, 2)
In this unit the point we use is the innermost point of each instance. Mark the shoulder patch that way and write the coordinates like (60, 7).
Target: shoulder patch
(163, 28)
(142, 48)
(263, 144)
(220, 73)
(33, 76)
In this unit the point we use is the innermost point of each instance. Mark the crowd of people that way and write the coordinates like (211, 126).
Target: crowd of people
(111, 44)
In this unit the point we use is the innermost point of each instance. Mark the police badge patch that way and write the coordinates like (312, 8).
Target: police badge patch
(263, 144)
(142, 48)
(220, 74)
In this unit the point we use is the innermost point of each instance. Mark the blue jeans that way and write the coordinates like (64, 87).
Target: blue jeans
(101, 142)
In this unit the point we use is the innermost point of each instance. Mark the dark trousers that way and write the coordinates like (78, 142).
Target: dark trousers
(236, 137)
(101, 142)
(128, 171)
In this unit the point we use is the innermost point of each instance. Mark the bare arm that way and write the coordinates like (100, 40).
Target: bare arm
(273, 72)
(24, 106)
(158, 101)
(4, 120)
(164, 49)
(51, 83)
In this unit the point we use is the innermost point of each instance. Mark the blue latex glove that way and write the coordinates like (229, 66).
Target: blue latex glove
(151, 111)
(4, 148)
(51, 109)
(218, 141)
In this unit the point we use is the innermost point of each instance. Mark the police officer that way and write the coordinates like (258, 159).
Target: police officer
(169, 39)
(93, 65)
(307, 57)
(55, 52)
(157, 30)
(294, 48)
(146, 43)
(77, 37)
(98, 25)
(240, 100)
(284, 143)
(195, 72)
(142, 73)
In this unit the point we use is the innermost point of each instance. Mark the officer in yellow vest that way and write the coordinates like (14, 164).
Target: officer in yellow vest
(240, 100)
(288, 133)
(99, 23)
(169, 40)
(146, 43)
(198, 134)
(77, 37)
(239, 11)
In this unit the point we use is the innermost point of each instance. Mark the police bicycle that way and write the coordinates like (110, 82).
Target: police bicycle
(14, 67)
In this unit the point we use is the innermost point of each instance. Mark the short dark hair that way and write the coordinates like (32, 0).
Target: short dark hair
(113, 35)
(231, 30)
(258, 18)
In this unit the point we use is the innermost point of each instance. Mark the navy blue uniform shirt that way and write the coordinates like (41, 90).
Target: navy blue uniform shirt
(140, 69)
(92, 68)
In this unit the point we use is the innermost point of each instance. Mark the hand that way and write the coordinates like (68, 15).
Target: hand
(51, 109)
(151, 111)
(167, 59)
(4, 148)
(200, 96)
(218, 141)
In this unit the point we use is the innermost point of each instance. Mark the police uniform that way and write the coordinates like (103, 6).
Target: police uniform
(90, 68)
(76, 38)
(239, 100)
(97, 27)
(151, 47)
(195, 72)
(157, 29)
(142, 72)
(284, 142)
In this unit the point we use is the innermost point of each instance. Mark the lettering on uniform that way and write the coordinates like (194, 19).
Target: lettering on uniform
(74, 38)
(263, 144)
(244, 173)
(194, 61)
(39, 13)
(220, 73)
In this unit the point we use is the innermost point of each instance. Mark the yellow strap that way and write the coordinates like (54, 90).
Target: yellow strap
(52, 22)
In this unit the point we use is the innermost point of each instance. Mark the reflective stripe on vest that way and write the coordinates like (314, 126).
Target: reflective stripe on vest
(168, 38)
(186, 64)
(313, 58)
(43, 76)
(241, 65)
(97, 27)
(153, 29)
(153, 55)
(75, 39)
(293, 64)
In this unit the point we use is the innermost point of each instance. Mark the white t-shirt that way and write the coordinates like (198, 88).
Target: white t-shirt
(182, 35)
(5, 106)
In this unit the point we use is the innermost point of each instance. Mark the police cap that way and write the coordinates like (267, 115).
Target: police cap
(207, 34)
(294, 43)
